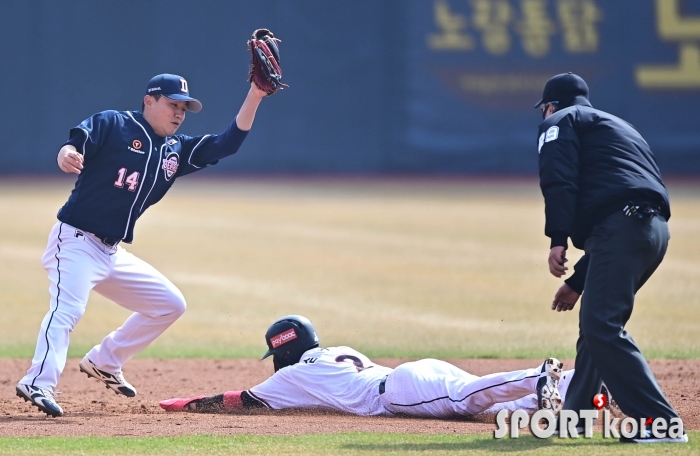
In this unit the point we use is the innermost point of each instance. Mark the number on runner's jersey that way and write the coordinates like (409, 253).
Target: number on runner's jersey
(355, 360)
(132, 179)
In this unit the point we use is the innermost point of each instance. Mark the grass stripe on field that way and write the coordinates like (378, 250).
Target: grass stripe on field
(324, 444)
(391, 267)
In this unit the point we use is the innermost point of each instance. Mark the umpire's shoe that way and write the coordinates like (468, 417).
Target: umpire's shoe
(114, 380)
(548, 397)
(42, 398)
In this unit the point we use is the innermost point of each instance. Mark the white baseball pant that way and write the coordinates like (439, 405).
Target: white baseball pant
(434, 388)
(78, 262)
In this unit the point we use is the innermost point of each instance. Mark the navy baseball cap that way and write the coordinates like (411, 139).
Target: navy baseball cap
(173, 87)
(563, 88)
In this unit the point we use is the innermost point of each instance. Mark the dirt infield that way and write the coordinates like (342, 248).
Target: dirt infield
(90, 409)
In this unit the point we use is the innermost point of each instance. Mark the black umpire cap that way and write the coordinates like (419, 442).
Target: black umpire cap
(562, 89)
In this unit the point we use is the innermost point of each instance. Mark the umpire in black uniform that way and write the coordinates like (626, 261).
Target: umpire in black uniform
(602, 189)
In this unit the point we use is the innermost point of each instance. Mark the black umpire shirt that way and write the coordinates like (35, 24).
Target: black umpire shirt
(591, 165)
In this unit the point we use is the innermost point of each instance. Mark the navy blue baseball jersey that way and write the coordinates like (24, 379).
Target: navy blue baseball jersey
(127, 168)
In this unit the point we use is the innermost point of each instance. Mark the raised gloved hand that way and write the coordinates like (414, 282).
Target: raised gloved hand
(265, 70)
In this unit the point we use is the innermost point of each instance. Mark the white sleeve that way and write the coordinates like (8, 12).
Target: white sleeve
(279, 391)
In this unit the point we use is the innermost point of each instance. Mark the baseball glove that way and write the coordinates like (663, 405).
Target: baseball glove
(265, 68)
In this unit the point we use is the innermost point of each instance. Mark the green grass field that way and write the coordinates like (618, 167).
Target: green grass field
(394, 268)
(329, 444)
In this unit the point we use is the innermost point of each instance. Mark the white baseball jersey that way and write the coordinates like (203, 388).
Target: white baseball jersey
(337, 378)
(340, 378)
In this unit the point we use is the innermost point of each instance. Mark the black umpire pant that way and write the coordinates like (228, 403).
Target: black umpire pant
(624, 252)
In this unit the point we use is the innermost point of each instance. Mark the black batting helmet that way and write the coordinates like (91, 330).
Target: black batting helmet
(288, 338)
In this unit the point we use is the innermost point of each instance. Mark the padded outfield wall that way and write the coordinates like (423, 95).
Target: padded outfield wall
(390, 86)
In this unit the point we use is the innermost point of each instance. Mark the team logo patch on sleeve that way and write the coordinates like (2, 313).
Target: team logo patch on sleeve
(552, 134)
(170, 165)
(283, 338)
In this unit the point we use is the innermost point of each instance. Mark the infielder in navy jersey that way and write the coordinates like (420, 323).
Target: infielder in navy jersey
(126, 161)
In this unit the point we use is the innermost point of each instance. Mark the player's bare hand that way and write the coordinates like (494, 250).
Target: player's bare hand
(557, 259)
(564, 299)
(69, 160)
(255, 91)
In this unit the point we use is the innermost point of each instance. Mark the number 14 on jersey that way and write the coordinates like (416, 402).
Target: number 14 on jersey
(132, 180)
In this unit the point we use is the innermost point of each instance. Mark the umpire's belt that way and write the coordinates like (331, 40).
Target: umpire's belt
(641, 210)
(382, 385)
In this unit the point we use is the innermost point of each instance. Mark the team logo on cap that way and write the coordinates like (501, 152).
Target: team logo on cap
(136, 144)
(283, 338)
(183, 85)
(170, 165)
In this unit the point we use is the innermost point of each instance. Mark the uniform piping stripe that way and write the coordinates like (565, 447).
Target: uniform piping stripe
(465, 397)
(155, 178)
(257, 398)
(145, 173)
(58, 294)
(87, 136)
(189, 160)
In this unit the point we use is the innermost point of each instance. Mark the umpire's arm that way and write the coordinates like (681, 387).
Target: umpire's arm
(559, 171)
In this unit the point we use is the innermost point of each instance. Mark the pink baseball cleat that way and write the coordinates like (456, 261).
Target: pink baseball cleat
(179, 404)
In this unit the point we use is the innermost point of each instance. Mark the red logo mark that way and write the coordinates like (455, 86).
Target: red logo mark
(283, 338)
(170, 166)
(136, 144)
(648, 421)
(600, 401)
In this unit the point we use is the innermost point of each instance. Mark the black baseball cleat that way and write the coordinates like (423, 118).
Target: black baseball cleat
(113, 380)
(548, 397)
(41, 398)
